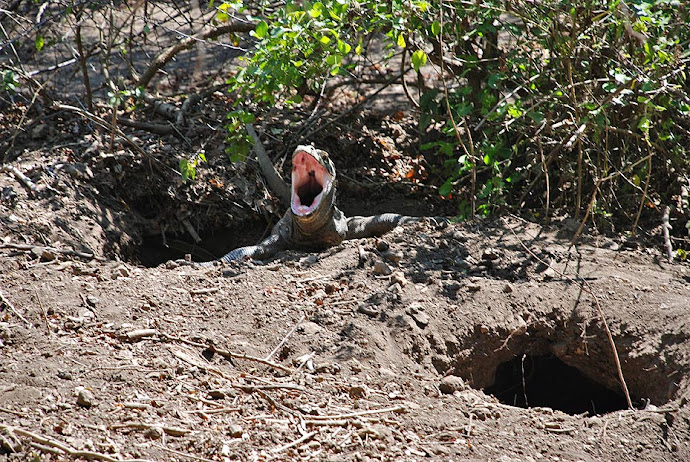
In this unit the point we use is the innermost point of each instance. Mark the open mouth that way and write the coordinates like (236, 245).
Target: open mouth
(310, 181)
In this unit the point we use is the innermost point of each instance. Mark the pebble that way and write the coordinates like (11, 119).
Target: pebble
(235, 430)
(393, 257)
(490, 254)
(451, 383)
(85, 398)
(399, 277)
(154, 433)
(381, 268)
(382, 245)
(548, 274)
(369, 310)
(358, 391)
(91, 300)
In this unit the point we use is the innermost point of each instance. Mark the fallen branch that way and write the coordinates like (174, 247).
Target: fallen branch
(12, 308)
(287, 336)
(226, 353)
(68, 252)
(297, 442)
(187, 43)
(75, 453)
(20, 176)
(358, 414)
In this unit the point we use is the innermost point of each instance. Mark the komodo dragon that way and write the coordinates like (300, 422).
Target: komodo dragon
(312, 222)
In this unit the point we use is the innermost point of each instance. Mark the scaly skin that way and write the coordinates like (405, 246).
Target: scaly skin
(318, 223)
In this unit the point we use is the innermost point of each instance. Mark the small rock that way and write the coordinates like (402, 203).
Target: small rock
(121, 271)
(216, 394)
(64, 375)
(85, 398)
(154, 433)
(399, 277)
(358, 391)
(548, 274)
(235, 430)
(369, 310)
(91, 300)
(490, 254)
(381, 268)
(355, 366)
(451, 383)
(395, 288)
(307, 261)
(473, 286)
(382, 245)
(507, 289)
(421, 318)
(393, 257)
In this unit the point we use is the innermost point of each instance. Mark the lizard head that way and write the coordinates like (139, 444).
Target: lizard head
(313, 177)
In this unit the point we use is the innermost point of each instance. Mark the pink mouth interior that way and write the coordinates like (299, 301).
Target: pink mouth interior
(309, 181)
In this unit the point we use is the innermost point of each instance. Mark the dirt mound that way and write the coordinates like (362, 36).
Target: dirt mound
(326, 356)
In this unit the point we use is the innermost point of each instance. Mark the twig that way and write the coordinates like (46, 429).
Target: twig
(172, 431)
(75, 453)
(13, 309)
(349, 415)
(469, 153)
(297, 442)
(186, 44)
(666, 227)
(226, 353)
(69, 252)
(20, 176)
(230, 354)
(588, 289)
(287, 336)
(367, 99)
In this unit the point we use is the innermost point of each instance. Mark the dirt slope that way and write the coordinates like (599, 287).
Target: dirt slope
(320, 356)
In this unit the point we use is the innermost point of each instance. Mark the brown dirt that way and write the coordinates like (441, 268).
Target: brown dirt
(365, 366)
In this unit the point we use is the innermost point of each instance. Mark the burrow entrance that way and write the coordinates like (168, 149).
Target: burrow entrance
(552, 365)
(546, 381)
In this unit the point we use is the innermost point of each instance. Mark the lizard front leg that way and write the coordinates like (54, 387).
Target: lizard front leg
(261, 251)
(376, 225)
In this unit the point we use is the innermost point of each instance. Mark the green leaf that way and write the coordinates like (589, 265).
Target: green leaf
(344, 47)
(261, 30)
(418, 60)
(644, 124)
(436, 28)
(446, 188)
(39, 42)
(401, 41)
(247, 117)
(316, 10)
(325, 40)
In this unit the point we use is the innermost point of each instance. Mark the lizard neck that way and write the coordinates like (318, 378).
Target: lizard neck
(318, 220)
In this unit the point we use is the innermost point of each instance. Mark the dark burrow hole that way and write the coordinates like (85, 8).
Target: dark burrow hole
(154, 250)
(546, 381)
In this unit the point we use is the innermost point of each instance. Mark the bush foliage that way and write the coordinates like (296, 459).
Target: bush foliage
(543, 105)
(582, 104)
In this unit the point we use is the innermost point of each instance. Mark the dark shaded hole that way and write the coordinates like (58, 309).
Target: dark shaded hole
(308, 190)
(153, 251)
(546, 381)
